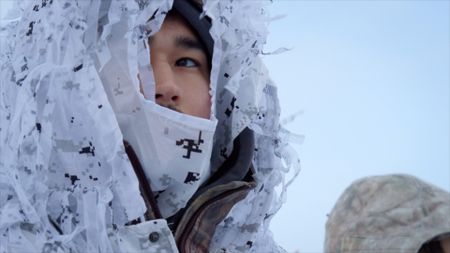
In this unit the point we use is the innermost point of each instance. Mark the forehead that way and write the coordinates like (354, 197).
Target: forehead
(175, 16)
(176, 31)
(175, 23)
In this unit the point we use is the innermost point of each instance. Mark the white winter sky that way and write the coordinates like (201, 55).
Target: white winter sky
(372, 79)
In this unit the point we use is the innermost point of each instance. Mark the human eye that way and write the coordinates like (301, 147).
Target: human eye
(186, 62)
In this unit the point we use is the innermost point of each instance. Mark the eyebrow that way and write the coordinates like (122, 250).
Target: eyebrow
(185, 42)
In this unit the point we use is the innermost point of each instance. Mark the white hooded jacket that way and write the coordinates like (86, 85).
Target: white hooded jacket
(68, 71)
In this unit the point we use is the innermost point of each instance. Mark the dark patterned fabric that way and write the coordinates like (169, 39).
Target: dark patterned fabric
(198, 225)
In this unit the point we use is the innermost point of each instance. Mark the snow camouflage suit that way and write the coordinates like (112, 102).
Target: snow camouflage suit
(387, 214)
(66, 181)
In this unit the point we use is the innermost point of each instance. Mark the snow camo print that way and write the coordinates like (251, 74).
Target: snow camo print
(66, 183)
(137, 238)
(64, 173)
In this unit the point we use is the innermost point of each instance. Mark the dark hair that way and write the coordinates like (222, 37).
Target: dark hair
(191, 11)
(175, 15)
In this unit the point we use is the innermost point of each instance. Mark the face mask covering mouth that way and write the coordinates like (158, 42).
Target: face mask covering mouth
(174, 150)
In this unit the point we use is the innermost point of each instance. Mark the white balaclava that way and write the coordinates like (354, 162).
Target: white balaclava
(174, 150)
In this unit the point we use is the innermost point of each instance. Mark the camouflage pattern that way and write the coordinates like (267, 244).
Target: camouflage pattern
(387, 214)
(151, 236)
(69, 73)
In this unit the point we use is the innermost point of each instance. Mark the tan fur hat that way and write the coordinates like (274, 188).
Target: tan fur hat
(381, 214)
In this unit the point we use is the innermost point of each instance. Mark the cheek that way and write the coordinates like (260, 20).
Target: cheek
(199, 100)
(204, 102)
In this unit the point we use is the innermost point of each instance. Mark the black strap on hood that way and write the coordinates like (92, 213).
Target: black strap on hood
(146, 191)
(239, 163)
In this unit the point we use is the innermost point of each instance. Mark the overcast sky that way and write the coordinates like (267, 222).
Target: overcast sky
(372, 78)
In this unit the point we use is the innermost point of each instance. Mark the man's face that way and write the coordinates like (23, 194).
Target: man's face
(180, 68)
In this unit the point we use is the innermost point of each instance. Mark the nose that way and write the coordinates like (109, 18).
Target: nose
(167, 92)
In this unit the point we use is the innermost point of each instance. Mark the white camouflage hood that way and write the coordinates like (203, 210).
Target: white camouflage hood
(61, 150)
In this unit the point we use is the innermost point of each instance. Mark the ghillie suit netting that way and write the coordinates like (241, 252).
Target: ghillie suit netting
(69, 77)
